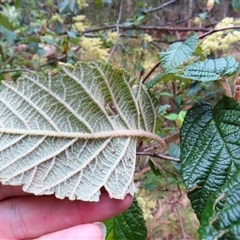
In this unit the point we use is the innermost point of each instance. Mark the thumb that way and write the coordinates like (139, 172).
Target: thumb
(94, 231)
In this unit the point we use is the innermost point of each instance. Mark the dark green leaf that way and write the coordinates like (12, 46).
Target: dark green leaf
(222, 212)
(211, 70)
(178, 52)
(155, 170)
(129, 225)
(210, 146)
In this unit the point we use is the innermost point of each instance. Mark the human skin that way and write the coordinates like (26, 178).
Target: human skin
(25, 216)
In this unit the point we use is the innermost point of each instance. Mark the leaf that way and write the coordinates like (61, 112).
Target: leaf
(164, 77)
(210, 146)
(4, 22)
(74, 130)
(211, 70)
(179, 52)
(222, 212)
(10, 36)
(129, 225)
(235, 5)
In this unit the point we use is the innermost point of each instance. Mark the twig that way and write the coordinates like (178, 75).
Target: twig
(150, 72)
(117, 27)
(158, 155)
(161, 6)
(7, 61)
(181, 223)
(58, 58)
(54, 60)
(17, 70)
(141, 27)
(172, 138)
(164, 175)
(218, 30)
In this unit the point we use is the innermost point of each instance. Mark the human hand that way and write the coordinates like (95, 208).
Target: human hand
(24, 216)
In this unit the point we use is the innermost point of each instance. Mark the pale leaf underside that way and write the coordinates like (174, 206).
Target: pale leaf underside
(74, 131)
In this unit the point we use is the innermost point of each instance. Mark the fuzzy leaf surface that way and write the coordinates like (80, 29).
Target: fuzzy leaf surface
(178, 52)
(221, 216)
(73, 131)
(210, 146)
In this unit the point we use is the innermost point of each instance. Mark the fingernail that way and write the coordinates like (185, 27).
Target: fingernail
(102, 227)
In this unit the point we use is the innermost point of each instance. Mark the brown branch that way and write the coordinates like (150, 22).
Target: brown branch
(54, 60)
(150, 72)
(167, 28)
(172, 138)
(218, 30)
(181, 223)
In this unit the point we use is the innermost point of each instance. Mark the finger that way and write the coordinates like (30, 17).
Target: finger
(11, 191)
(31, 216)
(85, 231)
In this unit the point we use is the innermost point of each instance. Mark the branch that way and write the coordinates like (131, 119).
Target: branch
(117, 26)
(150, 72)
(54, 60)
(161, 6)
(218, 30)
(158, 155)
(17, 70)
(141, 27)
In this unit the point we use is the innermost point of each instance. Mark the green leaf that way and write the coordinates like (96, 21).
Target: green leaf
(153, 167)
(179, 52)
(4, 22)
(210, 146)
(211, 70)
(164, 77)
(72, 34)
(129, 225)
(221, 216)
(235, 5)
(74, 130)
(172, 116)
(9, 35)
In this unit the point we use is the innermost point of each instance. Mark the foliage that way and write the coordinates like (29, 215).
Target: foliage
(117, 112)
(128, 225)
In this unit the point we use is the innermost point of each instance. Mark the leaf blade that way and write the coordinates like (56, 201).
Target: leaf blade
(178, 52)
(73, 131)
(208, 153)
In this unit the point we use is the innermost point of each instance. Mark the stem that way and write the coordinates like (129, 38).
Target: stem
(150, 72)
(117, 27)
(218, 30)
(158, 155)
(227, 87)
(107, 134)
